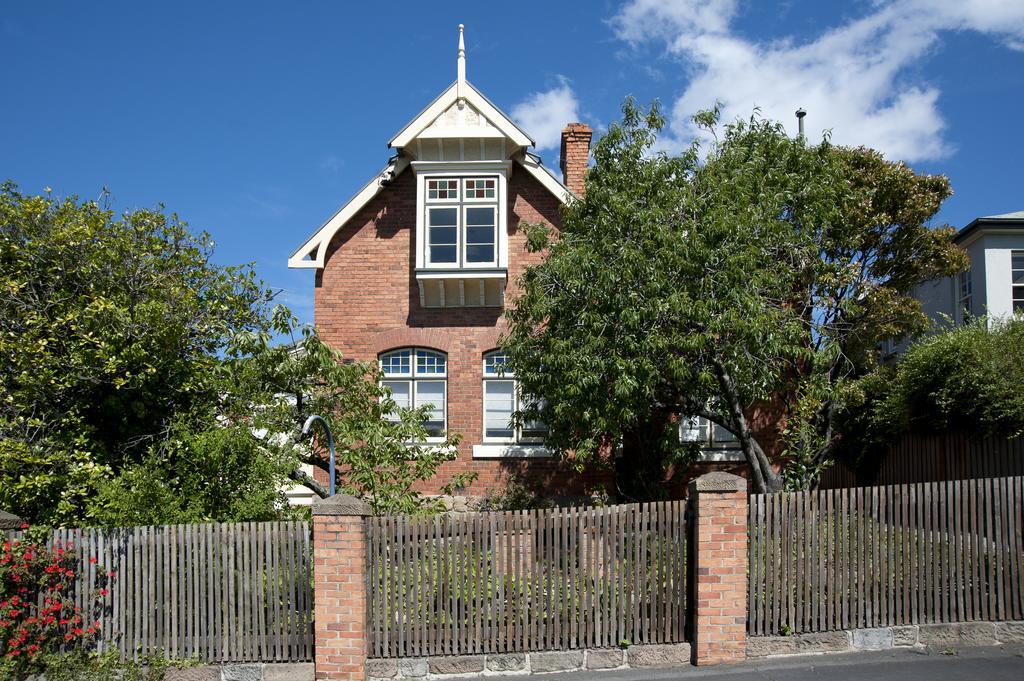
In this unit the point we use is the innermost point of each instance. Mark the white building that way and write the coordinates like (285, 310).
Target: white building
(993, 286)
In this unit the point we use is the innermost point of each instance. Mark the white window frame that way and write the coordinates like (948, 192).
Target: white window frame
(473, 199)
(458, 190)
(710, 450)
(708, 440)
(463, 236)
(1014, 287)
(458, 234)
(503, 377)
(462, 171)
(414, 377)
(965, 295)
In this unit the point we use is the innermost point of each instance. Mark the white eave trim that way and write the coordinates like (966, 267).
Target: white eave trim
(533, 166)
(461, 131)
(455, 167)
(315, 247)
(449, 97)
(312, 254)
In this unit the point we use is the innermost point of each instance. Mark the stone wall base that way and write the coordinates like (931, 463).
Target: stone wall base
(938, 636)
(498, 664)
(291, 671)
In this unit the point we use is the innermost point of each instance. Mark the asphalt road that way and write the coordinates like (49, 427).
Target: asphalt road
(997, 663)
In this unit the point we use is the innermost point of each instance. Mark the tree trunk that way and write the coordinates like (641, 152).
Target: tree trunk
(641, 464)
(764, 475)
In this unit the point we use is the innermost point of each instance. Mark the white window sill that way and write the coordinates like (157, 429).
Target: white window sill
(453, 271)
(510, 451)
(715, 455)
(432, 447)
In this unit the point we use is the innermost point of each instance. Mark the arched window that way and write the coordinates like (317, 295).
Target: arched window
(502, 398)
(417, 377)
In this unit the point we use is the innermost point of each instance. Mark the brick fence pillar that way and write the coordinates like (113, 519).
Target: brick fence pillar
(341, 636)
(719, 564)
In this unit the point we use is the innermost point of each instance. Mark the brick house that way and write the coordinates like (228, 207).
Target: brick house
(415, 271)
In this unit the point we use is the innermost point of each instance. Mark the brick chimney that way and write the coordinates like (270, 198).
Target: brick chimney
(575, 153)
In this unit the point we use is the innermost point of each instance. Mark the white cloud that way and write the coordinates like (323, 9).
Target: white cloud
(852, 79)
(543, 115)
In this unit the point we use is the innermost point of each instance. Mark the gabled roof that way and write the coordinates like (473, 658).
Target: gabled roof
(1014, 220)
(460, 92)
(450, 96)
(315, 247)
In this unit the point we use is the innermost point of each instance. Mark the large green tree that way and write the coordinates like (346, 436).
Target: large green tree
(141, 382)
(757, 275)
(109, 328)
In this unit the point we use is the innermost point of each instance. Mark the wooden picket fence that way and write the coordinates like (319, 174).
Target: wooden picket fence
(528, 580)
(883, 556)
(935, 458)
(222, 593)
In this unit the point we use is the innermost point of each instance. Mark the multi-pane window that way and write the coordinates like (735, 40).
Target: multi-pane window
(443, 189)
(966, 295)
(1017, 277)
(443, 235)
(462, 221)
(481, 188)
(711, 435)
(417, 378)
(480, 230)
(502, 398)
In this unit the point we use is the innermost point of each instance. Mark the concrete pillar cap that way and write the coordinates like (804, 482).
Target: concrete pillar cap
(9, 521)
(342, 504)
(719, 481)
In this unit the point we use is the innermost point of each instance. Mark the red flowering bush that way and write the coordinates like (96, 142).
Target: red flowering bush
(38, 614)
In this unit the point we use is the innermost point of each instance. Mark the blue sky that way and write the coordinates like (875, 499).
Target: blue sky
(256, 120)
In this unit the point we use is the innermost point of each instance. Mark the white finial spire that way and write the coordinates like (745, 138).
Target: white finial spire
(462, 63)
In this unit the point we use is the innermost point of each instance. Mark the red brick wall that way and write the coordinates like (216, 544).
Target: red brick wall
(367, 301)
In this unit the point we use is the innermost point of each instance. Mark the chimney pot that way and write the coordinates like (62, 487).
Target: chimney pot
(575, 156)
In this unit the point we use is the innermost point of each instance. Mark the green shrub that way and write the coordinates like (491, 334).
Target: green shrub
(515, 496)
(80, 665)
(968, 379)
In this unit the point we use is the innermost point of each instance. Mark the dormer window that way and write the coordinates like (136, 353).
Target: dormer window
(462, 222)
(461, 240)
(462, 150)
